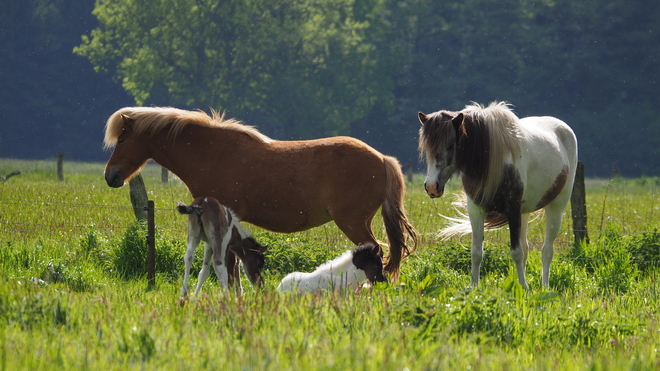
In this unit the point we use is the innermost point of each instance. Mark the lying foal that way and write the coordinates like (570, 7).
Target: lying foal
(220, 229)
(347, 271)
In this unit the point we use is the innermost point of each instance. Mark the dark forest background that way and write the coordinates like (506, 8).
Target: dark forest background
(301, 69)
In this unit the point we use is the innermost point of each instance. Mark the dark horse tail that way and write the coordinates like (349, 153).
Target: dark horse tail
(397, 226)
(188, 209)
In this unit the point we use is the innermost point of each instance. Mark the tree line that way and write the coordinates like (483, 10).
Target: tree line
(300, 69)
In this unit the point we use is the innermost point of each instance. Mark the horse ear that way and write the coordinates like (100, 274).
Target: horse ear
(422, 117)
(459, 124)
(127, 120)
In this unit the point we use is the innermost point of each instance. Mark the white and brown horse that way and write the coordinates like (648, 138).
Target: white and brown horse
(510, 167)
(219, 228)
(282, 186)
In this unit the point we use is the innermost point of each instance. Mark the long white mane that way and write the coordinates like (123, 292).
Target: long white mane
(504, 138)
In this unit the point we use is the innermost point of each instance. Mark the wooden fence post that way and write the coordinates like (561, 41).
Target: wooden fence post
(139, 198)
(151, 245)
(164, 174)
(60, 166)
(579, 206)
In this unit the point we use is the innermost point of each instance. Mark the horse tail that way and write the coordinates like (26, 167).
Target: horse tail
(461, 226)
(397, 226)
(188, 209)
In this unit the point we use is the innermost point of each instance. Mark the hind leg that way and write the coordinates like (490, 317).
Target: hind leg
(553, 217)
(219, 244)
(524, 219)
(205, 271)
(358, 230)
(193, 240)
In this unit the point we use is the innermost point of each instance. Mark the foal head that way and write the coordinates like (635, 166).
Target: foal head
(251, 254)
(367, 257)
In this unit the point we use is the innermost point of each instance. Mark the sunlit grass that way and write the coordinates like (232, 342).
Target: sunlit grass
(64, 305)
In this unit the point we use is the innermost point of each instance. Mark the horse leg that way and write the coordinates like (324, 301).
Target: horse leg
(234, 274)
(205, 271)
(518, 252)
(233, 269)
(193, 240)
(477, 217)
(252, 260)
(553, 216)
(219, 246)
(524, 219)
(357, 229)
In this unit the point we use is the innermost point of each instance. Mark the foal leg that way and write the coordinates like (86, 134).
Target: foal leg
(205, 271)
(233, 270)
(219, 246)
(193, 240)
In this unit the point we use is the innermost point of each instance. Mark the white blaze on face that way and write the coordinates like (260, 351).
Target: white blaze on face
(432, 173)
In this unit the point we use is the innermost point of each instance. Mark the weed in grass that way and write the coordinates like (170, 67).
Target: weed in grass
(128, 258)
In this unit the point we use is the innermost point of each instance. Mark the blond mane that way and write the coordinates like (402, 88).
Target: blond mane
(504, 138)
(153, 119)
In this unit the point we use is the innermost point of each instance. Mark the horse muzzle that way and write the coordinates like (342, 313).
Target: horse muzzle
(114, 178)
(434, 190)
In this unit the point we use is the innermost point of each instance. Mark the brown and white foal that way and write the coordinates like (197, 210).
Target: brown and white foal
(219, 228)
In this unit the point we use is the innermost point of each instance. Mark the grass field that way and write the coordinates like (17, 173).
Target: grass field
(73, 292)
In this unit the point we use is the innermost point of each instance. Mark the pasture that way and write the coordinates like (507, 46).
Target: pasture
(73, 289)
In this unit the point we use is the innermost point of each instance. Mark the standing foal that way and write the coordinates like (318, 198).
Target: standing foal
(220, 229)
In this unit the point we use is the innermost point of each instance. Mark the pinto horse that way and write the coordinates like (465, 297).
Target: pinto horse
(347, 271)
(219, 228)
(510, 167)
(282, 186)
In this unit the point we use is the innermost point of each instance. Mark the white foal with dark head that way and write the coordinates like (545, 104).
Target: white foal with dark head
(219, 228)
(348, 271)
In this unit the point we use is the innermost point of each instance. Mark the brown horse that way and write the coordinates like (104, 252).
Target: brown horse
(282, 186)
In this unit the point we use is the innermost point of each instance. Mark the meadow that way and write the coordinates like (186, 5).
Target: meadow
(74, 294)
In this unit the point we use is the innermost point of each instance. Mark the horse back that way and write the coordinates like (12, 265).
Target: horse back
(288, 186)
(548, 169)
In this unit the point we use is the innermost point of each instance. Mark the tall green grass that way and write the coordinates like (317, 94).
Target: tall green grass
(73, 293)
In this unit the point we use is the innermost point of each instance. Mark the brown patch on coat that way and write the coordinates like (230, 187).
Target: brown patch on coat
(555, 189)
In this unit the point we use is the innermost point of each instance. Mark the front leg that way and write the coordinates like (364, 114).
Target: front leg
(477, 217)
(518, 253)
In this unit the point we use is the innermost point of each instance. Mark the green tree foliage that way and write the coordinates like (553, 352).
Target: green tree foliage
(50, 100)
(313, 68)
(304, 63)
